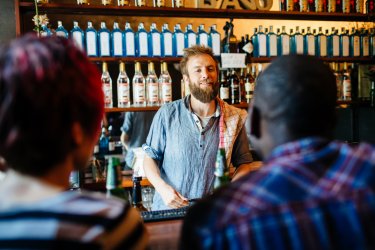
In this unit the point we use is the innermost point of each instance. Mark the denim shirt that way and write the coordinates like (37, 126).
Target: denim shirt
(186, 151)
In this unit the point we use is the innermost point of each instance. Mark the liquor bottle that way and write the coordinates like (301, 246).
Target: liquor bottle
(271, 43)
(77, 35)
(202, 36)
(190, 36)
(61, 31)
(372, 42)
(114, 180)
(152, 86)
(296, 5)
(346, 84)
(249, 85)
(319, 5)
(254, 41)
(137, 194)
(140, 3)
(309, 43)
(139, 86)
(345, 6)
(83, 2)
(166, 41)
(111, 140)
(304, 5)
(74, 183)
(261, 42)
(159, 3)
(141, 41)
(241, 43)
(297, 42)
(165, 84)
(214, 40)
(311, 4)
(282, 5)
(107, 86)
(106, 2)
(234, 87)
(339, 78)
(122, 2)
(354, 44)
(289, 5)
(332, 6)
(178, 41)
(104, 40)
(178, 3)
(221, 170)
(117, 38)
(370, 6)
(344, 43)
(241, 86)
(321, 43)
(372, 94)
(103, 143)
(91, 40)
(154, 41)
(283, 42)
(129, 41)
(224, 92)
(334, 43)
(229, 43)
(123, 88)
(45, 30)
(364, 43)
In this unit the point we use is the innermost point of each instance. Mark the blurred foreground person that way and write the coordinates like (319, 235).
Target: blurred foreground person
(312, 192)
(51, 105)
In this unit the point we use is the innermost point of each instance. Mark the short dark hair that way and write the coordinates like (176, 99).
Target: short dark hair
(46, 85)
(301, 92)
(194, 51)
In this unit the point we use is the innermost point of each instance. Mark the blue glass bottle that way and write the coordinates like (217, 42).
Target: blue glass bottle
(104, 40)
(77, 35)
(141, 41)
(202, 36)
(154, 41)
(271, 43)
(129, 40)
(354, 44)
(91, 40)
(321, 43)
(117, 38)
(309, 40)
(178, 41)
(166, 41)
(364, 43)
(214, 40)
(45, 31)
(190, 36)
(334, 43)
(261, 42)
(283, 42)
(344, 43)
(61, 31)
(297, 45)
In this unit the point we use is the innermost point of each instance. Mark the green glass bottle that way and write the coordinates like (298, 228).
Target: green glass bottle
(221, 170)
(114, 180)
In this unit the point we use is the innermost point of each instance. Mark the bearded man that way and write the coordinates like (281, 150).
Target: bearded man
(184, 137)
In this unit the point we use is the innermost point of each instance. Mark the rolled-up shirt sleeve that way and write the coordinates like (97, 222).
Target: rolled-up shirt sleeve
(241, 153)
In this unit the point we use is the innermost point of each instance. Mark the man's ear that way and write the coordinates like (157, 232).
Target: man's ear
(255, 122)
(186, 78)
(77, 133)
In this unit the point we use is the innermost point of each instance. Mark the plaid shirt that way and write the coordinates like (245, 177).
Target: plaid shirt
(310, 194)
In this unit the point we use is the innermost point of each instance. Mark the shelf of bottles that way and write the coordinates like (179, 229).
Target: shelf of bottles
(114, 10)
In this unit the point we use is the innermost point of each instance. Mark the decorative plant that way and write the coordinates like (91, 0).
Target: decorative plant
(39, 20)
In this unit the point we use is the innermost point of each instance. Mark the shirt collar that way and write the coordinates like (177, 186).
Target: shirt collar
(188, 106)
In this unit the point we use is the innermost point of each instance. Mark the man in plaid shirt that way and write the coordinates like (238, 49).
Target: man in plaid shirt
(312, 192)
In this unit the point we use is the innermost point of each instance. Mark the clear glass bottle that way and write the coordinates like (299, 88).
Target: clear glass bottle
(141, 41)
(123, 88)
(123, 2)
(107, 86)
(249, 84)
(154, 41)
(159, 3)
(139, 86)
(77, 35)
(166, 41)
(152, 86)
(165, 84)
(140, 3)
(61, 31)
(129, 37)
(178, 41)
(111, 140)
(106, 2)
(83, 2)
(117, 38)
(346, 84)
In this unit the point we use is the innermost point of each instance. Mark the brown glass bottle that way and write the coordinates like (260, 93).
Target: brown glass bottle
(234, 87)
(224, 87)
(137, 194)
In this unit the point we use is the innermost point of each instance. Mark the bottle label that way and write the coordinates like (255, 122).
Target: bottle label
(356, 50)
(180, 44)
(129, 41)
(166, 92)
(107, 94)
(111, 146)
(139, 92)
(365, 46)
(203, 40)
(156, 44)
(273, 45)
(224, 93)
(345, 46)
(347, 89)
(285, 45)
(91, 44)
(143, 44)
(153, 92)
(192, 39)
(168, 44)
(117, 44)
(123, 93)
(262, 43)
(61, 33)
(311, 45)
(96, 149)
(78, 39)
(215, 40)
(323, 46)
(104, 44)
(299, 44)
(335, 46)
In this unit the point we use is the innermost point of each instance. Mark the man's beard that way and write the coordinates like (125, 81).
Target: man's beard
(204, 95)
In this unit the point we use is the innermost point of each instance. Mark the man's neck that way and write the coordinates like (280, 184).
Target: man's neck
(202, 109)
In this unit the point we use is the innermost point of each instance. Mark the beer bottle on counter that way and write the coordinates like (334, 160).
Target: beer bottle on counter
(137, 194)
(221, 170)
(114, 180)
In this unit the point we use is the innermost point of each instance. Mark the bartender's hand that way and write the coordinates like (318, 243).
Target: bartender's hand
(171, 197)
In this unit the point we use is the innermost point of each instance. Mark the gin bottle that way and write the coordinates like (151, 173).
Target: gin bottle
(202, 36)
(141, 41)
(123, 88)
(214, 40)
(91, 40)
(166, 41)
(165, 84)
(61, 31)
(107, 86)
(344, 43)
(104, 40)
(117, 38)
(297, 42)
(154, 41)
(178, 41)
(261, 42)
(77, 35)
(321, 43)
(354, 44)
(129, 40)
(139, 86)
(190, 36)
(334, 43)
(309, 40)
(152, 86)
(159, 3)
(254, 41)
(103, 143)
(45, 30)
(364, 43)
(123, 2)
(271, 43)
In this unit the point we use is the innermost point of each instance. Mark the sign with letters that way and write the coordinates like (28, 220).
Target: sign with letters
(233, 60)
(235, 4)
